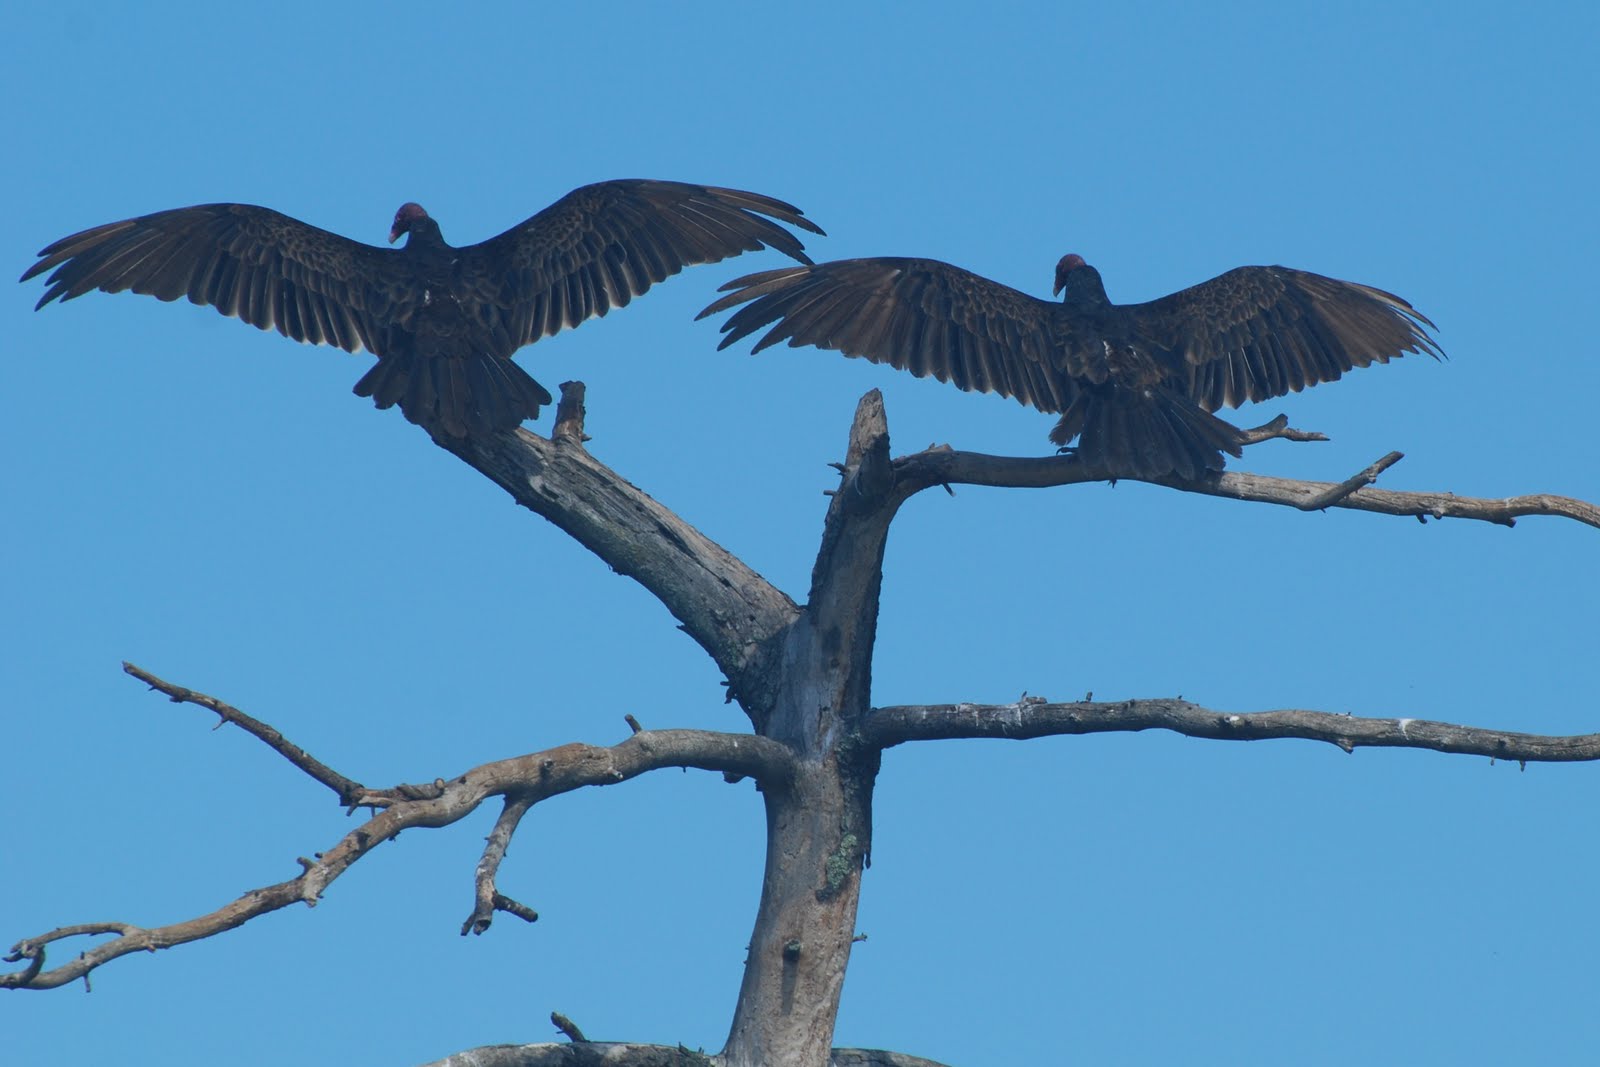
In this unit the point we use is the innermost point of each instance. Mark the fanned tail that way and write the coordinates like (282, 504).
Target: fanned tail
(1146, 433)
(464, 396)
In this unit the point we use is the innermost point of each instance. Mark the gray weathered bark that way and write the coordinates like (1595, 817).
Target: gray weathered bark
(608, 1054)
(803, 677)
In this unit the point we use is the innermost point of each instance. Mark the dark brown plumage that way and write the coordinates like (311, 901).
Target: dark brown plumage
(443, 321)
(1136, 383)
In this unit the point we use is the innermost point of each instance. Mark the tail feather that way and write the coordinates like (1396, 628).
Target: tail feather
(464, 396)
(455, 402)
(1146, 433)
(421, 389)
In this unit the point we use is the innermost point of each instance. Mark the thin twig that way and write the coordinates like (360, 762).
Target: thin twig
(346, 788)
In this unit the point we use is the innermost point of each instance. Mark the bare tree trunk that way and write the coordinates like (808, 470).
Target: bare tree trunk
(819, 829)
(803, 932)
(803, 676)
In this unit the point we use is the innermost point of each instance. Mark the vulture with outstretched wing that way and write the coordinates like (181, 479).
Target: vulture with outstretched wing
(443, 321)
(1135, 383)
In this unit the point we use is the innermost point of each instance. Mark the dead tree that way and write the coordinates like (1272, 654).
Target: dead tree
(802, 675)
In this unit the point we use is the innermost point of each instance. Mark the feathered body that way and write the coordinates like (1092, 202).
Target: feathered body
(443, 321)
(1135, 384)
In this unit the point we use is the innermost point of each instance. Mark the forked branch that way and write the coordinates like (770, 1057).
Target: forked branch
(487, 898)
(1030, 718)
(739, 618)
(943, 466)
(525, 779)
(768, 648)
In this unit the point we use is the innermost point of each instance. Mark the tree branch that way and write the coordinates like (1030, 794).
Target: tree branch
(529, 779)
(346, 788)
(1029, 718)
(610, 1054)
(1280, 430)
(1329, 497)
(729, 609)
(589, 1054)
(487, 898)
(941, 466)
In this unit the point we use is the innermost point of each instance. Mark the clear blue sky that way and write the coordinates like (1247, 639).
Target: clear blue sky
(212, 503)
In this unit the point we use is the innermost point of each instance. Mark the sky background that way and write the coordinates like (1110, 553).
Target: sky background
(212, 503)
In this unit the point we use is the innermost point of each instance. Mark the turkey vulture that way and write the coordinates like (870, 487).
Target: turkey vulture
(1135, 383)
(443, 321)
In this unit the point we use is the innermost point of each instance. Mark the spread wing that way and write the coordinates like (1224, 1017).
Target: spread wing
(918, 315)
(1260, 332)
(264, 267)
(601, 245)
